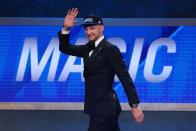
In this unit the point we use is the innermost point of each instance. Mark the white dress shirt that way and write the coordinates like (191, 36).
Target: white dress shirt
(96, 44)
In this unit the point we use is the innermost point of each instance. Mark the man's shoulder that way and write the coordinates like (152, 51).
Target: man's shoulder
(110, 46)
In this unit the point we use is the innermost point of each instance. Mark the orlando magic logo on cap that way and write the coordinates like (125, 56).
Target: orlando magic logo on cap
(92, 20)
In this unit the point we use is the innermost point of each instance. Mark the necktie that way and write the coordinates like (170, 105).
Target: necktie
(91, 46)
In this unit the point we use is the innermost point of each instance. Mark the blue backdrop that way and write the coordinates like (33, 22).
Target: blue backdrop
(33, 70)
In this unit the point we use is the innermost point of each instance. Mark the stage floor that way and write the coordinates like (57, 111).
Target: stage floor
(76, 121)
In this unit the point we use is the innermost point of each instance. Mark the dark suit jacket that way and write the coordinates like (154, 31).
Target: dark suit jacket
(99, 71)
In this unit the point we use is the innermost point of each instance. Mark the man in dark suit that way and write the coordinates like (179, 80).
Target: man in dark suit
(102, 60)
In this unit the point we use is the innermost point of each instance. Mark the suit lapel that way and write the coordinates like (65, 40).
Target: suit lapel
(95, 53)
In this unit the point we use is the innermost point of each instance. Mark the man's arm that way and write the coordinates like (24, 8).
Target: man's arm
(64, 45)
(67, 48)
(115, 59)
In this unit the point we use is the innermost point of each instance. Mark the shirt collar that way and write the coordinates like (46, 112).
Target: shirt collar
(98, 41)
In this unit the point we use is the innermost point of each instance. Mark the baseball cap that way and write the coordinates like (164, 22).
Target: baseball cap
(92, 20)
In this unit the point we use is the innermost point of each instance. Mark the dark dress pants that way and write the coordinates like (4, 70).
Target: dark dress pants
(103, 123)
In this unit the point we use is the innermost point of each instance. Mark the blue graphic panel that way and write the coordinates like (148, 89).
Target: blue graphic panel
(33, 70)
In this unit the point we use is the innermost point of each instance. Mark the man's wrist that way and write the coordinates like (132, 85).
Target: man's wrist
(134, 105)
(66, 28)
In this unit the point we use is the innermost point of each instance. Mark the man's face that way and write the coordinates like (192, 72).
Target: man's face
(93, 32)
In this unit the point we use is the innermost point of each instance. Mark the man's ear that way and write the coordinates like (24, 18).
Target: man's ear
(102, 28)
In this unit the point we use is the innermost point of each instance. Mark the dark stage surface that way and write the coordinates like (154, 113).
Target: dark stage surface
(77, 121)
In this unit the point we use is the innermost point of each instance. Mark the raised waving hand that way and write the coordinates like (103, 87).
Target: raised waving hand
(69, 20)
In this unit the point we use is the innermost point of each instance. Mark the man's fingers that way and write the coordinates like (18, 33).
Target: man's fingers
(139, 118)
(138, 115)
(73, 11)
(76, 13)
(68, 12)
(142, 115)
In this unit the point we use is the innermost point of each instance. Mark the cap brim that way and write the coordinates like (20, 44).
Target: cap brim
(89, 24)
